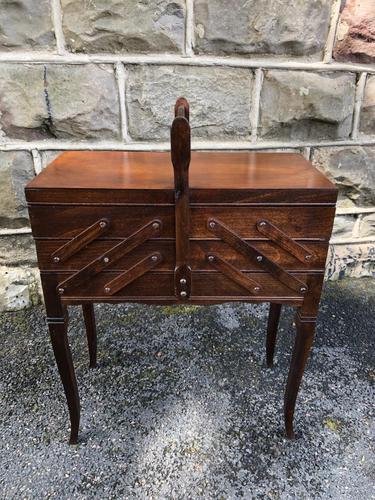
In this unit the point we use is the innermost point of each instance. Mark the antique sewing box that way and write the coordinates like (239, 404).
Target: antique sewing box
(181, 228)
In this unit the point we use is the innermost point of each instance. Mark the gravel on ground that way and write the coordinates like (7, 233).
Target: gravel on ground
(182, 406)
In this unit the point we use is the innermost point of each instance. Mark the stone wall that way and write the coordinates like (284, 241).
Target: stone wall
(260, 75)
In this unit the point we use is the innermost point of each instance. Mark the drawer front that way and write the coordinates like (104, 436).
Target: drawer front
(198, 251)
(58, 221)
(205, 286)
(54, 226)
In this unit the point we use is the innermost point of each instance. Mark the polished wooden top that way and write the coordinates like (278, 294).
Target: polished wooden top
(153, 170)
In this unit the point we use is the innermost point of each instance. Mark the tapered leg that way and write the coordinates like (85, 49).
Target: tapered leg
(59, 338)
(273, 323)
(89, 316)
(302, 345)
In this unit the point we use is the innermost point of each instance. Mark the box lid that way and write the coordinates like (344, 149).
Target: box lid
(147, 177)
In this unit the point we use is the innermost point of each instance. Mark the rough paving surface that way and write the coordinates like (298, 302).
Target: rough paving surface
(182, 405)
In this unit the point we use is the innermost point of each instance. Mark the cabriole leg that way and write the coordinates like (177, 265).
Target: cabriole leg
(57, 320)
(273, 323)
(63, 356)
(302, 345)
(89, 317)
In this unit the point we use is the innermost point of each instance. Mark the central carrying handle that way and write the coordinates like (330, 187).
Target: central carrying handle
(180, 154)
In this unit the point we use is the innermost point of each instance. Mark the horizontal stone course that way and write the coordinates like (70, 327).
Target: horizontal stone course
(128, 26)
(220, 100)
(58, 101)
(264, 27)
(302, 105)
(26, 25)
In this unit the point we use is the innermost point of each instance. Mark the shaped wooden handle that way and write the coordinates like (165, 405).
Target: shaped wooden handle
(180, 153)
(182, 108)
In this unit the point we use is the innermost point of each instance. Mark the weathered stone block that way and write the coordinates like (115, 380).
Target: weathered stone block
(219, 99)
(131, 26)
(367, 124)
(367, 227)
(19, 288)
(16, 169)
(25, 25)
(355, 40)
(17, 250)
(352, 170)
(343, 226)
(353, 260)
(58, 101)
(300, 105)
(277, 27)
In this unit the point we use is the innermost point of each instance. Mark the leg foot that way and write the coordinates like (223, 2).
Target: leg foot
(302, 345)
(89, 317)
(63, 356)
(273, 323)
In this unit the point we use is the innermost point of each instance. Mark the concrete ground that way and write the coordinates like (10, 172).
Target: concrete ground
(182, 405)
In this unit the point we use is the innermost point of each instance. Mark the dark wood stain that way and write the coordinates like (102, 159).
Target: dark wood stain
(157, 246)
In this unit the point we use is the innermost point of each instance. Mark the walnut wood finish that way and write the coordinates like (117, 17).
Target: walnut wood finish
(284, 241)
(89, 317)
(80, 241)
(254, 255)
(313, 222)
(132, 274)
(198, 251)
(111, 256)
(153, 210)
(142, 171)
(272, 325)
(180, 156)
(234, 274)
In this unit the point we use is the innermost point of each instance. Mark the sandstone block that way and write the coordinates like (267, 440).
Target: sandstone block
(276, 27)
(300, 105)
(131, 26)
(219, 99)
(355, 40)
(367, 124)
(26, 25)
(16, 169)
(19, 288)
(58, 101)
(352, 170)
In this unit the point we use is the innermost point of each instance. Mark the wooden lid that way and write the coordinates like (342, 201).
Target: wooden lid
(153, 170)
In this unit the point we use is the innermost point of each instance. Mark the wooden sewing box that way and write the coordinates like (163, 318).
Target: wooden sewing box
(217, 227)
